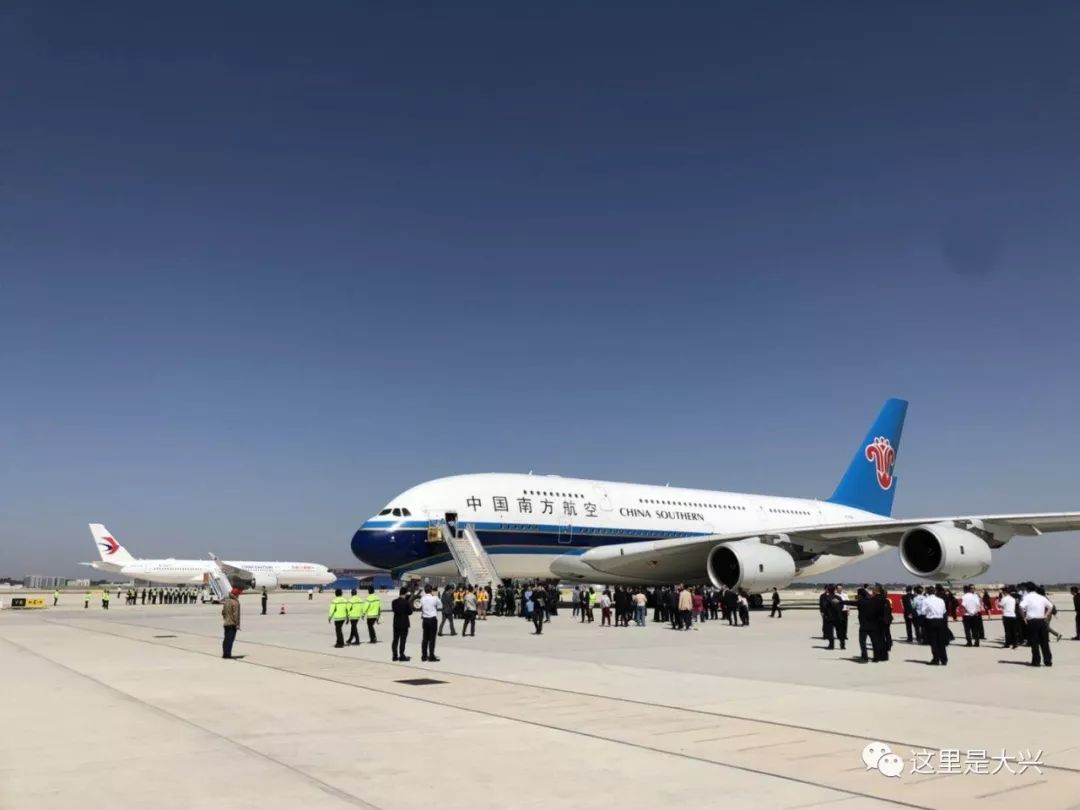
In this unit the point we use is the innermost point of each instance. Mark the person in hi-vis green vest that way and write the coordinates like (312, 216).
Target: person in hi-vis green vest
(356, 613)
(339, 612)
(372, 612)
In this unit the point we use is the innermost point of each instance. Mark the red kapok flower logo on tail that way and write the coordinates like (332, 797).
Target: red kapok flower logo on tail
(880, 451)
(108, 545)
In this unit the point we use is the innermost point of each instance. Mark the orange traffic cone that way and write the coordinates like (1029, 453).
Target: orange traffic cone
(282, 611)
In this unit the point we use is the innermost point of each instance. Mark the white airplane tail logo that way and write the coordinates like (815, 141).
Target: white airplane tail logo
(109, 550)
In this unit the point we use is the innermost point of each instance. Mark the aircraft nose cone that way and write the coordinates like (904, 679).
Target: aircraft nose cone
(371, 546)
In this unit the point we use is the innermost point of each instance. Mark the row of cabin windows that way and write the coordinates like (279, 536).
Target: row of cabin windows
(403, 512)
(656, 502)
(551, 494)
(693, 503)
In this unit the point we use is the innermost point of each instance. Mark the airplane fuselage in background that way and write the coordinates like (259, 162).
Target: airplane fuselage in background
(193, 572)
(221, 574)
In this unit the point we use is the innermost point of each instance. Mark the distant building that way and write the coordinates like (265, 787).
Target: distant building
(78, 583)
(39, 583)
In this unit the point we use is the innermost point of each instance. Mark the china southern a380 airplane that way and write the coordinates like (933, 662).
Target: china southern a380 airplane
(247, 574)
(598, 531)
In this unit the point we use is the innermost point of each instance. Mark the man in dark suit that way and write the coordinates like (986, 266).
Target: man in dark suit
(671, 608)
(402, 610)
(833, 609)
(622, 606)
(880, 637)
(909, 610)
(822, 603)
(731, 606)
(1075, 591)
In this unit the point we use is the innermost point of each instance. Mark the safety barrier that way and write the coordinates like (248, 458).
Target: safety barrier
(897, 602)
(26, 603)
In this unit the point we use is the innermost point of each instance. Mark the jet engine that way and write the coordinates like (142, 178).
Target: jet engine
(750, 564)
(239, 578)
(268, 581)
(942, 552)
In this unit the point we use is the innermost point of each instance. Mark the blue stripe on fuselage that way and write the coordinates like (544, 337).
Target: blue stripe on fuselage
(402, 546)
(618, 535)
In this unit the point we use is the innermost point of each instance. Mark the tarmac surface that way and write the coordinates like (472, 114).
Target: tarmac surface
(136, 704)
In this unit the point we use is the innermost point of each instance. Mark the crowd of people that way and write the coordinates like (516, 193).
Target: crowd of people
(135, 596)
(874, 613)
(1026, 619)
(1026, 615)
(1026, 612)
(353, 610)
(619, 605)
(684, 606)
(615, 606)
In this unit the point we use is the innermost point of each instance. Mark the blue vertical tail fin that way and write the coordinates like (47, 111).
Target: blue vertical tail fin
(869, 482)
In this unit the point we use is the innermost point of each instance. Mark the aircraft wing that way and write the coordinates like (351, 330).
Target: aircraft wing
(101, 565)
(238, 577)
(686, 556)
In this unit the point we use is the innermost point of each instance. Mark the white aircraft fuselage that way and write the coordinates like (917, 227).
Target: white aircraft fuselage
(536, 526)
(194, 572)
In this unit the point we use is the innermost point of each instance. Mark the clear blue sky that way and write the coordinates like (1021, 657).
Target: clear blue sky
(261, 268)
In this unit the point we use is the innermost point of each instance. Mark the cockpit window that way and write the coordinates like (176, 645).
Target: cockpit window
(406, 512)
(397, 513)
(385, 512)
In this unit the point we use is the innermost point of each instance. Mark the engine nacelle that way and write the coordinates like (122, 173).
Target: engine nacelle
(268, 581)
(246, 581)
(942, 552)
(750, 564)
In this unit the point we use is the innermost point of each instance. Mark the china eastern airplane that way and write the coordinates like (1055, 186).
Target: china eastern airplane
(246, 574)
(539, 526)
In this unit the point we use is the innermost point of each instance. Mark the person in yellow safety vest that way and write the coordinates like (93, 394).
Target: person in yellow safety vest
(105, 598)
(372, 611)
(86, 601)
(592, 603)
(56, 597)
(459, 602)
(482, 602)
(339, 612)
(356, 613)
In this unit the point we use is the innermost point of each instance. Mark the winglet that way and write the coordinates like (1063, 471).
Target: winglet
(869, 482)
